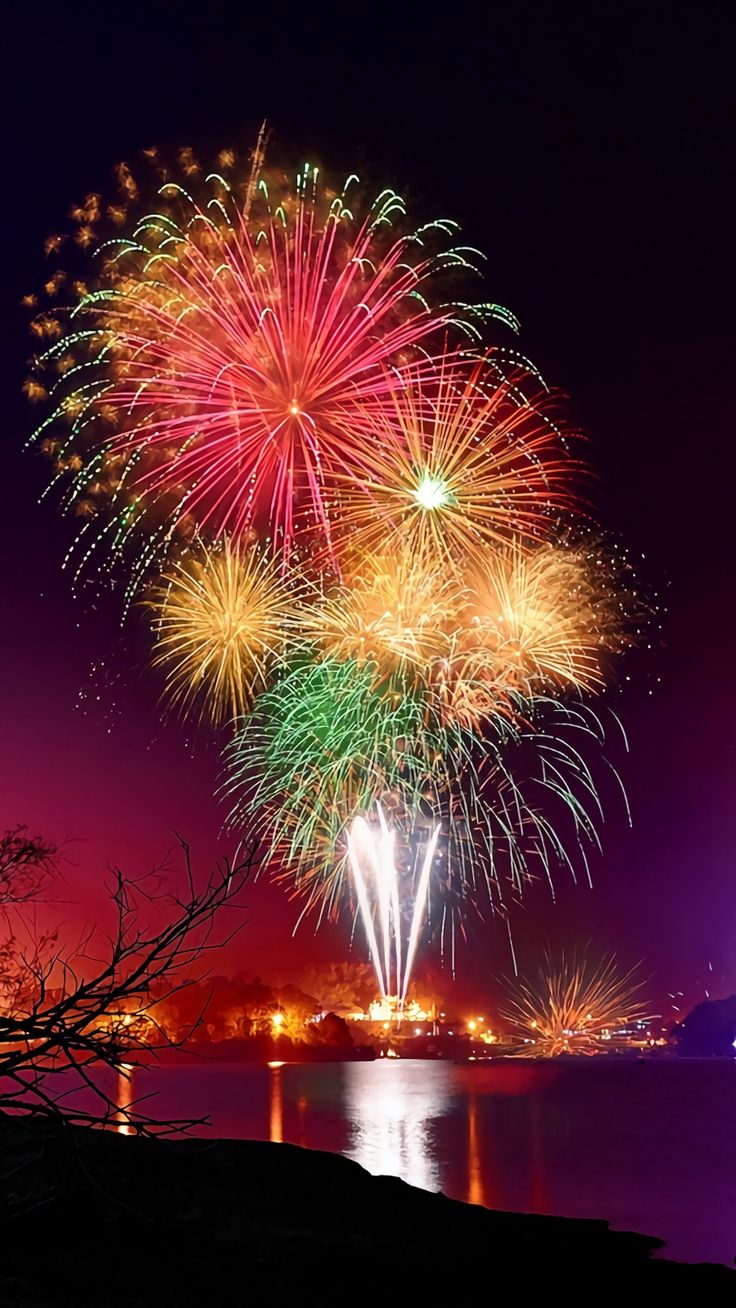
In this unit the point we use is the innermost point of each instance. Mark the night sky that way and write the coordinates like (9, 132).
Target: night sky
(589, 151)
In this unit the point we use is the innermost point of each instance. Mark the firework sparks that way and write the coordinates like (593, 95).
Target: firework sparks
(541, 619)
(467, 455)
(226, 365)
(395, 611)
(532, 621)
(378, 888)
(325, 730)
(574, 1007)
(326, 744)
(221, 620)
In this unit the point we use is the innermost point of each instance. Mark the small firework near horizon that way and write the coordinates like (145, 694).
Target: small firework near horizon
(573, 1005)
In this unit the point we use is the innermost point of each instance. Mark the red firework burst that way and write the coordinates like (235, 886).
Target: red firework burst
(240, 350)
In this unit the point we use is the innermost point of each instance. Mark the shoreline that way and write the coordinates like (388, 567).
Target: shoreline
(128, 1221)
(230, 1053)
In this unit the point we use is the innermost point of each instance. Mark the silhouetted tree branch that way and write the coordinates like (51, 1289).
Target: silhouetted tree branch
(66, 1015)
(26, 864)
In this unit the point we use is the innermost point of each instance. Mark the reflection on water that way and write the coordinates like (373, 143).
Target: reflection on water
(538, 1176)
(302, 1105)
(124, 1097)
(392, 1110)
(649, 1147)
(275, 1104)
(475, 1174)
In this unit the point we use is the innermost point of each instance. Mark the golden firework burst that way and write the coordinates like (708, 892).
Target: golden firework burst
(395, 609)
(221, 619)
(470, 457)
(574, 1006)
(540, 619)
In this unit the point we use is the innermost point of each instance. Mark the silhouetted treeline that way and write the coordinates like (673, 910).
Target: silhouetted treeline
(709, 1031)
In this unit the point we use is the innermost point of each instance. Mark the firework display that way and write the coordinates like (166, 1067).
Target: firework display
(233, 353)
(574, 1006)
(360, 531)
(396, 611)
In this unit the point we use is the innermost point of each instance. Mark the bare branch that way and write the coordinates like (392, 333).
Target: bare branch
(78, 1013)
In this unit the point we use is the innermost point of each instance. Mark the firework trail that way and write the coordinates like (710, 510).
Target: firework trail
(372, 857)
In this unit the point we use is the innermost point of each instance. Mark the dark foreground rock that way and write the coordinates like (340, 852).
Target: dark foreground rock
(91, 1218)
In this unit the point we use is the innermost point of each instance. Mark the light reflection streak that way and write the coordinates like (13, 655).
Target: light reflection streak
(475, 1174)
(124, 1098)
(275, 1104)
(392, 1109)
(302, 1107)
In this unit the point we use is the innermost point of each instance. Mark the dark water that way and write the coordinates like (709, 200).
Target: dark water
(651, 1147)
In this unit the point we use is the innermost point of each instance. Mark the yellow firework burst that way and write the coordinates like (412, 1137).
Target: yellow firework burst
(574, 1007)
(541, 618)
(473, 457)
(221, 619)
(396, 609)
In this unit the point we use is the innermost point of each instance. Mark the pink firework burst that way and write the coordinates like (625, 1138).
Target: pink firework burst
(238, 349)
